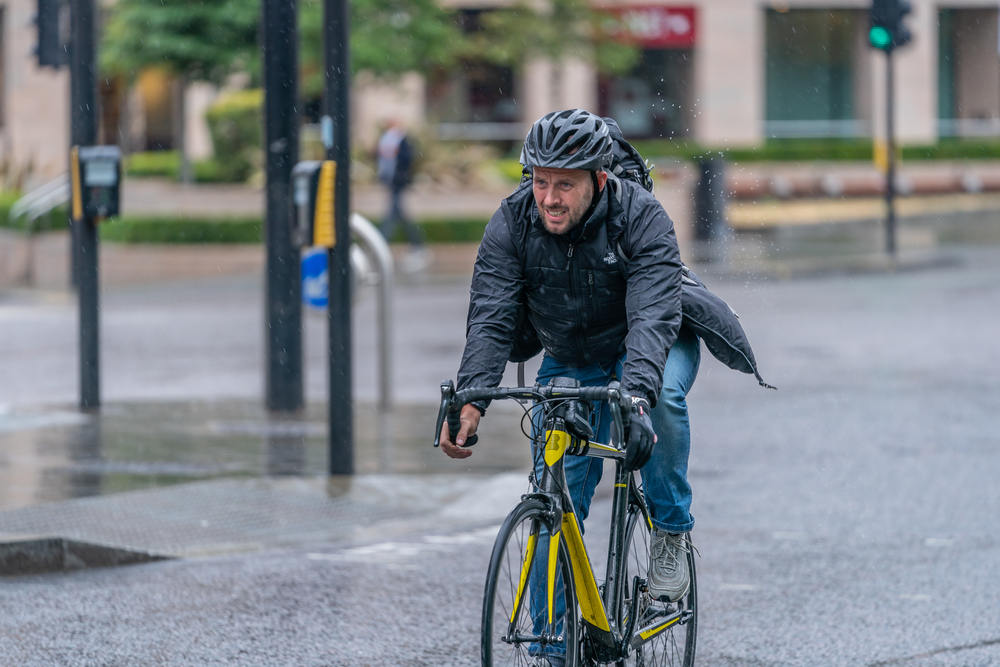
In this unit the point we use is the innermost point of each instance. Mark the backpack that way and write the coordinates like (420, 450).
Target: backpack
(703, 312)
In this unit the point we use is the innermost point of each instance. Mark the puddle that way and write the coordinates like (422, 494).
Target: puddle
(57, 454)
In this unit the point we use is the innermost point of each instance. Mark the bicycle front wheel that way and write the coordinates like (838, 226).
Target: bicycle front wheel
(516, 625)
(670, 629)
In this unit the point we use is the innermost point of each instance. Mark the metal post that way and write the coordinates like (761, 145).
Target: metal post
(890, 172)
(283, 308)
(371, 238)
(337, 140)
(710, 229)
(83, 132)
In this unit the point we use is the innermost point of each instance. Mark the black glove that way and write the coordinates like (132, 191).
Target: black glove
(639, 444)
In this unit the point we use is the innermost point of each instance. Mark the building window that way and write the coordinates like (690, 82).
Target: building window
(968, 73)
(477, 99)
(654, 99)
(810, 72)
(3, 66)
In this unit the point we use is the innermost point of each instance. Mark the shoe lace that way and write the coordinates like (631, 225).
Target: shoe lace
(668, 550)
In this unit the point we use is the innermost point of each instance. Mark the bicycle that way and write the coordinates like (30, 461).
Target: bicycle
(541, 592)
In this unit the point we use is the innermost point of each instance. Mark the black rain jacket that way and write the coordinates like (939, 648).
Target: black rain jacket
(584, 306)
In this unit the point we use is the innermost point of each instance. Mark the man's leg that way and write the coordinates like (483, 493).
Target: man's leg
(664, 478)
(392, 216)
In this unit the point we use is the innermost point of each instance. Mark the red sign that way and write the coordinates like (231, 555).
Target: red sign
(656, 26)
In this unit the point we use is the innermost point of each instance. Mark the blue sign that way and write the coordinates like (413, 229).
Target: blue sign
(315, 278)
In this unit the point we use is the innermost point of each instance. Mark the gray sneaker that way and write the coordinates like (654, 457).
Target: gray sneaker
(668, 575)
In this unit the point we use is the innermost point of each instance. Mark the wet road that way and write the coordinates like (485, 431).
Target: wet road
(846, 519)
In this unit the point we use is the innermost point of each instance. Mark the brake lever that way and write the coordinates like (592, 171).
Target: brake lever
(447, 393)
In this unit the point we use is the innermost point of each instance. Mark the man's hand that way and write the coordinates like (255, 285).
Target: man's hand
(469, 420)
(641, 437)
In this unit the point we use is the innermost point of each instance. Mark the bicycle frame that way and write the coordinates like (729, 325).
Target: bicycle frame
(598, 610)
(594, 608)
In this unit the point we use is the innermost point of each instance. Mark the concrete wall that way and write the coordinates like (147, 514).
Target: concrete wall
(34, 137)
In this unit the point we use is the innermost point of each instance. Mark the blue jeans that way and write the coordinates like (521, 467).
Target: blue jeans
(664, 477)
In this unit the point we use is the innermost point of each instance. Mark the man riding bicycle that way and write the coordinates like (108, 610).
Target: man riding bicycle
(550, 259)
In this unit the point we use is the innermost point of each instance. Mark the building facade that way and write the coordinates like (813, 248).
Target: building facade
(719, 72)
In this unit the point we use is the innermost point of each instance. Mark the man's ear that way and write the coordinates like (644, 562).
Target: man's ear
(602, 178)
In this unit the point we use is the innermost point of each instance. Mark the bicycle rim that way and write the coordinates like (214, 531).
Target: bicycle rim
(514, 625)
(674, 646)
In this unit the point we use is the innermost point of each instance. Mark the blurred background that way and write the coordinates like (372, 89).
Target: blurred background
(760, 82)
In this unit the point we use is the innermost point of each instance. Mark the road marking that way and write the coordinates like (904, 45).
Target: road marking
(938, 542)
(738, 587)
(393, 552)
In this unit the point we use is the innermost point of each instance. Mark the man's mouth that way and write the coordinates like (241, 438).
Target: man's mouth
(555, 213)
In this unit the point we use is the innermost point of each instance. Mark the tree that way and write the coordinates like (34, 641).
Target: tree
(553, 30)
(209, 40)
(194, 41)
(388, 39)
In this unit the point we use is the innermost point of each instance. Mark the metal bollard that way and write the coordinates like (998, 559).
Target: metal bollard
(710, 227)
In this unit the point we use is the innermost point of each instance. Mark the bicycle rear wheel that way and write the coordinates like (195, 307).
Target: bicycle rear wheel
(515, 628)
(673, 645)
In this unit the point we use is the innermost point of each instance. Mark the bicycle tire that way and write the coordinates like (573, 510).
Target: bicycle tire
(503, 583)
(675, 646)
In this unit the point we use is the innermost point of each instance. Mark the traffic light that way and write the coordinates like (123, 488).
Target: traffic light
(51, 21)
(887, 28)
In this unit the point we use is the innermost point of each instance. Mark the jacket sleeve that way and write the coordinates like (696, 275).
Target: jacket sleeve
(653, 298)
(494, 302)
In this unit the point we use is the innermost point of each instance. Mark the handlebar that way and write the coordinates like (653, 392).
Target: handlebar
(452, 400)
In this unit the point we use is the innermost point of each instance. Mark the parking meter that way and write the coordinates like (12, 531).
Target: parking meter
(312, 195)
(96, 181)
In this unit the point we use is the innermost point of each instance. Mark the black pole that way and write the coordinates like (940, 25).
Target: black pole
(283, 308)
(83, 132)
(336, 103)
(890, 172)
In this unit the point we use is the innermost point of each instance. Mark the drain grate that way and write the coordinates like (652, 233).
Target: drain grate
(38, 555)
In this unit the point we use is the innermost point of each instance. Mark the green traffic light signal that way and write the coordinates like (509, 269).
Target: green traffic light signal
(879, 37)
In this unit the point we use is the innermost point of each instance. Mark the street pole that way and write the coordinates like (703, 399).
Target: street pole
(890, 172)
(336, 124)
(83, 132)
(283, 308)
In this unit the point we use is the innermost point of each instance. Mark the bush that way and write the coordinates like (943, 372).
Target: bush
(147, 164)
(57, 218)
(250, 230)
(235, 123)
(805, 150)
(182, 230)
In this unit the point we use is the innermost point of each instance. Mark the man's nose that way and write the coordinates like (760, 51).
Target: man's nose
(552, 197)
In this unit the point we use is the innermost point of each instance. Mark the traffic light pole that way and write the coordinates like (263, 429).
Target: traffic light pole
(283, 308)
(336, 123)
(83, 132)
(890, 171)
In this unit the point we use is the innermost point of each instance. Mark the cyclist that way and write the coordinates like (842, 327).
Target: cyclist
(553, 259)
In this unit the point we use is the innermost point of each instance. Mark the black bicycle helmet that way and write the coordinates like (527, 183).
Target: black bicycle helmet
(571, 139)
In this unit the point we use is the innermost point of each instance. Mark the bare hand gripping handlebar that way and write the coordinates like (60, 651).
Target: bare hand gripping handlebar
(452, 401)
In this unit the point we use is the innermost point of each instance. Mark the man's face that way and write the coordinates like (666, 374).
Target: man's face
(563, 196)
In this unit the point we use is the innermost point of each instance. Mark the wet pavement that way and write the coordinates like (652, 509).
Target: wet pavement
(862, 485)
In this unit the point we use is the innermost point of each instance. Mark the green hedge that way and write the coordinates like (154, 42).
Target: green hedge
(54, 219)
(167, 164)
(803, 150)
(155, 229)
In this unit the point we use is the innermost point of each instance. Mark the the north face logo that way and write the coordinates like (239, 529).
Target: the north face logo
(611, 257)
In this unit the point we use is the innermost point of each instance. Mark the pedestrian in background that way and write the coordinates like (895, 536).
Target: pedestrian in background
(395, 170)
